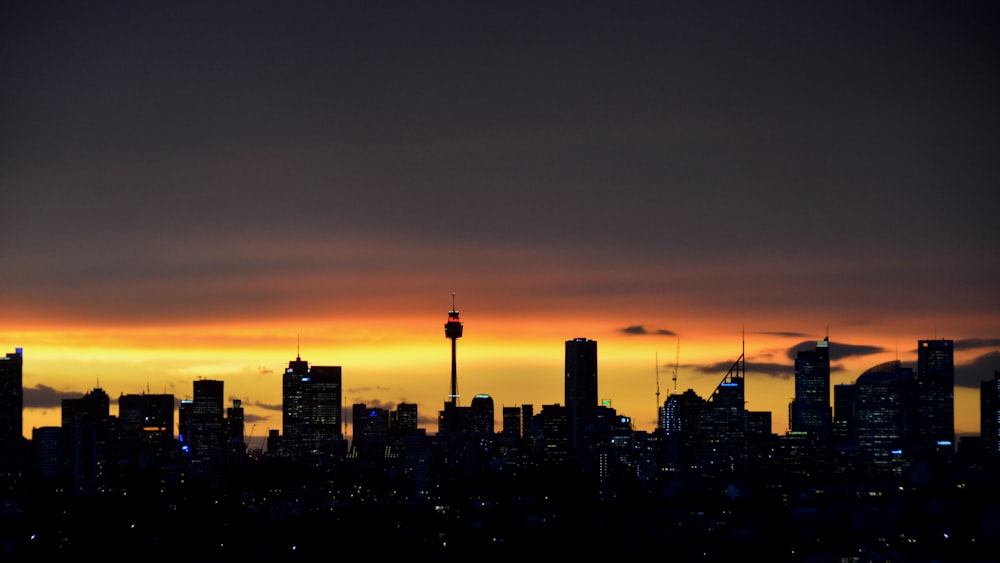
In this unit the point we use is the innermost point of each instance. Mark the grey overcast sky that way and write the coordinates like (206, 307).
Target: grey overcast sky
(661, 165)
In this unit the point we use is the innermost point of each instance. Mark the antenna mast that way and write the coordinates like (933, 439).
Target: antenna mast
(657, 380)
(453, 331)
(677, 363)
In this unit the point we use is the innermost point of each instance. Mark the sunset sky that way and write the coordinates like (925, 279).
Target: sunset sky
(207, 189)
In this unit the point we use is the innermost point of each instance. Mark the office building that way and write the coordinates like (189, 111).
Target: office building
(371, 431)
(580, 389)
(404, 419)
(207, 432)
(235, 434)
(884, 408)
(989, 416)
(811, 411)
(935, 432)
(87, 438)
(11, 406)
(145, 428)
(481, 414)
(724, 424)
(311, 409)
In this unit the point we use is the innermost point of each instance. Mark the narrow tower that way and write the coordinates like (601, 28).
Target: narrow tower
(453, 331)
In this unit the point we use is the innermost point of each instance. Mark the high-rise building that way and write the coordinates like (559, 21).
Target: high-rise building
(510, 424)
(989, 416)
(580, 388)
(11, 405)
(207, 433)
(87, 427)
(843, 412)
(811, 411)
(311, 409)
(235, 433)
(724, 423)
(146, 428)
(481, 414)
(404, 419)
(371, 430)
(936, 397)
(884, 407)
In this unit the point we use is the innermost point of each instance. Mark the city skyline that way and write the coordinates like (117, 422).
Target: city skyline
(966, 423)
(198, 190)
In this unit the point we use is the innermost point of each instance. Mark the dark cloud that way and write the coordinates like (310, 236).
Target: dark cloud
(980, 369)
(838, 351)
(268, 406)
(641, 330)
(779, 371)
(44, 397)
(976, 343)
(785, 334)
(775, 370)
(250, 418)
(721, 368)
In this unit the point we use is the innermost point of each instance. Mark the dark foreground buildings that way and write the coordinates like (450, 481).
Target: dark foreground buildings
(873, 479)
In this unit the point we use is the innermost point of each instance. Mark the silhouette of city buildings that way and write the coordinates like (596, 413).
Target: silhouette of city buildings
(710, 482)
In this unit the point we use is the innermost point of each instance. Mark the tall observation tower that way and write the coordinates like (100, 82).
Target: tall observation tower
(453, 330)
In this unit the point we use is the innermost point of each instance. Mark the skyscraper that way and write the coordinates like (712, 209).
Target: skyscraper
(883, 417)
(371, 430)
(207, 432)
(11, 404)
(146, 428)
(936, 396)
(404, 419)
(580, 388)
(811, 411)
(311, 409)
(724, 423)
(481, 414)
(86, 425)
(989, 415)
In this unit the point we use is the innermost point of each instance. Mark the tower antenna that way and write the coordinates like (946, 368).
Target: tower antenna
(298, 347)
(453, 331)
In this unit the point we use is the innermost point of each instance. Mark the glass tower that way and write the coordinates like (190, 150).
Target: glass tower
(811, 410)
(936, 396)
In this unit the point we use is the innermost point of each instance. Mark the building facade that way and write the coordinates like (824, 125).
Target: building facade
(311, 409)
(580, 388)
(936, 397)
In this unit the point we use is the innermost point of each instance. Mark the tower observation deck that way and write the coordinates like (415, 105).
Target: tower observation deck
(453, 331)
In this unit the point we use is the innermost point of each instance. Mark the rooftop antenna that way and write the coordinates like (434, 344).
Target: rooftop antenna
(298, 347)
(657, 380)
(677, 363)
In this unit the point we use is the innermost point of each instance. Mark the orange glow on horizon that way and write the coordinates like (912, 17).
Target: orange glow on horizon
(515, 360)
